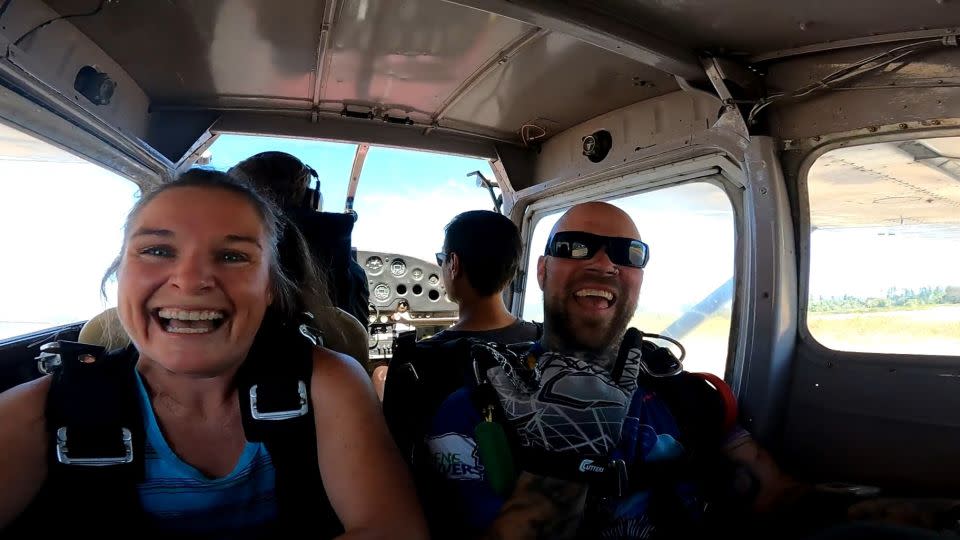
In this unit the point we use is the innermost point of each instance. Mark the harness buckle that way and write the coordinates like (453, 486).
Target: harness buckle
(280, 415)
(413, 372)
(63, 455)
(609, 476)
(49, 359)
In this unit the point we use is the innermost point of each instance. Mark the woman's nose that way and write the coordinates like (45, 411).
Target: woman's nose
(193, 273)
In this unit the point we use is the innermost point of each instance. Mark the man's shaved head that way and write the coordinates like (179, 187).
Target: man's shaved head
(598, 218)
(588, 304)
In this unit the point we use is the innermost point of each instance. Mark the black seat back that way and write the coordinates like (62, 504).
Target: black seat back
(329, 235)
(420, 377)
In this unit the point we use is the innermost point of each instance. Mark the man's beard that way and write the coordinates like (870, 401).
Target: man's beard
(596, 337)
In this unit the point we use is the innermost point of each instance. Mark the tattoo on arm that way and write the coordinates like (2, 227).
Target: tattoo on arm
(540, 508)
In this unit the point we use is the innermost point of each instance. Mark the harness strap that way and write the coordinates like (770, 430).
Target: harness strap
(605, 476)
(274, 392)
(95, 445)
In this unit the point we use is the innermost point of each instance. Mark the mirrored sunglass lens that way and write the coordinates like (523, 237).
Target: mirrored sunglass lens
(579, 251)
(637, 254)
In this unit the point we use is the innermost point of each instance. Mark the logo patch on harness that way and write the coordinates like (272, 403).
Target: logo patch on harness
(455, 456)
(588, 465)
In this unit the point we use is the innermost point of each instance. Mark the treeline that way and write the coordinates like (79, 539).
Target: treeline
(896, 298)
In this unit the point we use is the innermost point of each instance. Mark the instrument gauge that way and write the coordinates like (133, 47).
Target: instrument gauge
(381, 292)
(374, 265)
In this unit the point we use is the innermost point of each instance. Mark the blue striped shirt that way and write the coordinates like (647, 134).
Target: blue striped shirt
(180, 499)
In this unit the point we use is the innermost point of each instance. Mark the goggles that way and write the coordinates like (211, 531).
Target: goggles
(579, 245)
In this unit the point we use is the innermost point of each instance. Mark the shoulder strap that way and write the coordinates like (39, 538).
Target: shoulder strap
(422, 375)
(274, 392)
(95, 441)
(401, 398)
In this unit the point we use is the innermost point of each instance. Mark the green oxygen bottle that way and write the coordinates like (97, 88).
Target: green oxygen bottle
(495, 454)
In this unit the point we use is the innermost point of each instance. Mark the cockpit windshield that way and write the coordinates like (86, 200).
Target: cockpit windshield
(404, 197)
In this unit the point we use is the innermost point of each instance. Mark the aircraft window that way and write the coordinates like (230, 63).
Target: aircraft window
(404, 198)
(688, 284)
(885, 248)
(60, 227)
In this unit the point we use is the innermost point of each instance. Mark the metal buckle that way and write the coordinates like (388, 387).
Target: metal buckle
(64, 457)
(413, 371)
(279, 415)
(49, 359)
(313, 336)
(623, 477)
(610, 476)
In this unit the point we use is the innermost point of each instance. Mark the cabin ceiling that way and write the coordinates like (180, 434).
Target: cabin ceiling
(759, 27)
(446, 64)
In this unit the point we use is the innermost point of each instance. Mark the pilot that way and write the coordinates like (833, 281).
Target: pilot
(287, 180)
(481, 253)
(606, 443)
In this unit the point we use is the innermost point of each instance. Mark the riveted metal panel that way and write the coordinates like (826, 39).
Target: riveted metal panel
(557, 82)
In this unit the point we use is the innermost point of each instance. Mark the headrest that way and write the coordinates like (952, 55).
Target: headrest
(329, 235)
(104, 330)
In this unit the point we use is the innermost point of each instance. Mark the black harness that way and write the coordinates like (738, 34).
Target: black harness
(95, 434)
(422, 375)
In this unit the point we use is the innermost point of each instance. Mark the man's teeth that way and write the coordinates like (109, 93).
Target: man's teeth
(595, 292)
(184, 315)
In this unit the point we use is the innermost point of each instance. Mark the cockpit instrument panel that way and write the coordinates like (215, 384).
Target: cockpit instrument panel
(403, 283)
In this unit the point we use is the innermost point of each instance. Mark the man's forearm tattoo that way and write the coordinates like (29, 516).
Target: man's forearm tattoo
(540, 508)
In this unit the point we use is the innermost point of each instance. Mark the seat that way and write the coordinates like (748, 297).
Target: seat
(104, 330)
(342, 333)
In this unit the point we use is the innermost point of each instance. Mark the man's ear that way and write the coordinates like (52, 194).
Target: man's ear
(541, 270)
(455, 269)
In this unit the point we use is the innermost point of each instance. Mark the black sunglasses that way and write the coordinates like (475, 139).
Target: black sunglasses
(441, 258)
(581, 245)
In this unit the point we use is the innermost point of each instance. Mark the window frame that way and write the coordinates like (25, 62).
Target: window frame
(715, 169)
(804, 237)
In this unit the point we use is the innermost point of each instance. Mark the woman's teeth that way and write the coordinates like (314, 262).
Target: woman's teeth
(183, 321)
(190, 315)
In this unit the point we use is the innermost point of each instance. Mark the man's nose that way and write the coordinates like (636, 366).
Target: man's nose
(600, 262)
(193, 272)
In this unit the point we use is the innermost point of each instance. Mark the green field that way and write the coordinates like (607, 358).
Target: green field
(922, 330)
(918, 330)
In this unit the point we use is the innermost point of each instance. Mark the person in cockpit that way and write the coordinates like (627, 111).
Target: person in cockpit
(480, 255)
(223, 418)
(286, 179)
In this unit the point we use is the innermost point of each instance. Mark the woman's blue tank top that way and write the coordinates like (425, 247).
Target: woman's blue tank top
(178, 498)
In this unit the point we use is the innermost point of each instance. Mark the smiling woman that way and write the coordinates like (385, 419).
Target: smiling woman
(215, 327)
